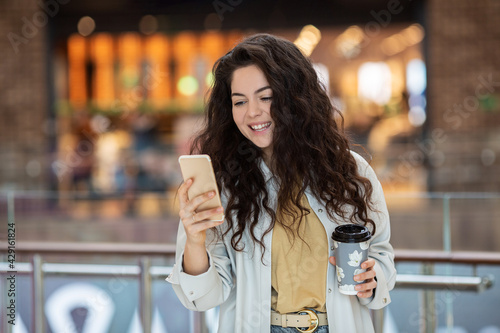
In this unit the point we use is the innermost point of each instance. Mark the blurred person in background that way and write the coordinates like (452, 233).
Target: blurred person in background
(287, 179)
(84, 149)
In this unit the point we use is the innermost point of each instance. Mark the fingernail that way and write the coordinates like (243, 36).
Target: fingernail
(211, 194)
(220, 209)
(189, 181)
(358, 287)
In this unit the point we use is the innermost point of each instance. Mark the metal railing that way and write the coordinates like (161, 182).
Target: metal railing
(145, 272)
(429, 283)
(446, 207)
(38, 270)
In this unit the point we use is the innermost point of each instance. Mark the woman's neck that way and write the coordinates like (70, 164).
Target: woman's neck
(267, 156)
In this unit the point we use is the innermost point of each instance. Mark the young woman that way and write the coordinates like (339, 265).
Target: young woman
(287, 179)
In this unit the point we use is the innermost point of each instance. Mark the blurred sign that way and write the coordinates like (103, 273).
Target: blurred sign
(97, 305)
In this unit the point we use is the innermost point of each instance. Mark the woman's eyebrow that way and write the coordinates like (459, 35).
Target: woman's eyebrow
(256, 91)
(262, 89)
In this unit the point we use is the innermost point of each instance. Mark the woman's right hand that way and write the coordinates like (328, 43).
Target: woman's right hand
(196, 224)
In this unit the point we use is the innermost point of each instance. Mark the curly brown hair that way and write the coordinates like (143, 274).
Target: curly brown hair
(310, 150)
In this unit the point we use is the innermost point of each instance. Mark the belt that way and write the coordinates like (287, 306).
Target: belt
(304, 318)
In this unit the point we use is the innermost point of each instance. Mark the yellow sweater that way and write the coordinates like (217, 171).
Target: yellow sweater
(299, 268)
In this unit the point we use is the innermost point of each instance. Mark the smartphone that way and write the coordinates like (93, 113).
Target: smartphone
(199, 168)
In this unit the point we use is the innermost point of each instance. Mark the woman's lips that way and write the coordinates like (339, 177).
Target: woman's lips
(260, 127)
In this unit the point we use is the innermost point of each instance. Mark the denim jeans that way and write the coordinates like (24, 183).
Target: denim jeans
(279, 329)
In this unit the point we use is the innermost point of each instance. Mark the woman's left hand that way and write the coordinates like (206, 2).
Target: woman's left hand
(365, 290)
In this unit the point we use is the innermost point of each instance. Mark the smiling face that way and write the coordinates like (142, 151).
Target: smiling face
(251, 98)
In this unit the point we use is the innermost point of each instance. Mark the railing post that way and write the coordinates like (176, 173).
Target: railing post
(447, 248)
(446, 223)
(38, 324)
(145, 294)
(428, 304)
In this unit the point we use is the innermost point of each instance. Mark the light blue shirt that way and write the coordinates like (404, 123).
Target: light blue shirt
(240, 283)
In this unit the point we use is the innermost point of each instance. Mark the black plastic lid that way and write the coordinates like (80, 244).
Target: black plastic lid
(351, 233)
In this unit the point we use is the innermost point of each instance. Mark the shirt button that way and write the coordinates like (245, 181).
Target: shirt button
(332, 248)
(329, 290)
(320, 210)
(191, 293)
(384, 300)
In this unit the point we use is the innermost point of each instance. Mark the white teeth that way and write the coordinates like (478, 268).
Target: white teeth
(261, 126)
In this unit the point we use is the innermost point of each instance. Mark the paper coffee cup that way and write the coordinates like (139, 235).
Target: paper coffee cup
(351, 242)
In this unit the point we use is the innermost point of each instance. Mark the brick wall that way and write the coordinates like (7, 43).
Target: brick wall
(23, 95)
(463, 54)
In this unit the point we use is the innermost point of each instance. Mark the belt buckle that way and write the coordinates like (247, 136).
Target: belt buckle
(313, 326)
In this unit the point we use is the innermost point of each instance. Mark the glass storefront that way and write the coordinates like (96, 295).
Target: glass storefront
(129, 103)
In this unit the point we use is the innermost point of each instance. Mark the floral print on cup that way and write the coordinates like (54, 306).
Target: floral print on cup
(355, 259)
(349, 288)
(340, 273)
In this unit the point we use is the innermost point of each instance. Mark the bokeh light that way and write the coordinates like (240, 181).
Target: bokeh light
(187, 85)
(86, 26)
(374, 82)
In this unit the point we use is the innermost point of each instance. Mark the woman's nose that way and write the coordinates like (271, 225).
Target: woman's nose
(254, 109)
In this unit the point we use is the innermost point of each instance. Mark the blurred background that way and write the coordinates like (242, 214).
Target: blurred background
(99, 98)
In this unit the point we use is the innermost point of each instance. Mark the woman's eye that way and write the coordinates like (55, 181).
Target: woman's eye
(239, 103)
(266, 99)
